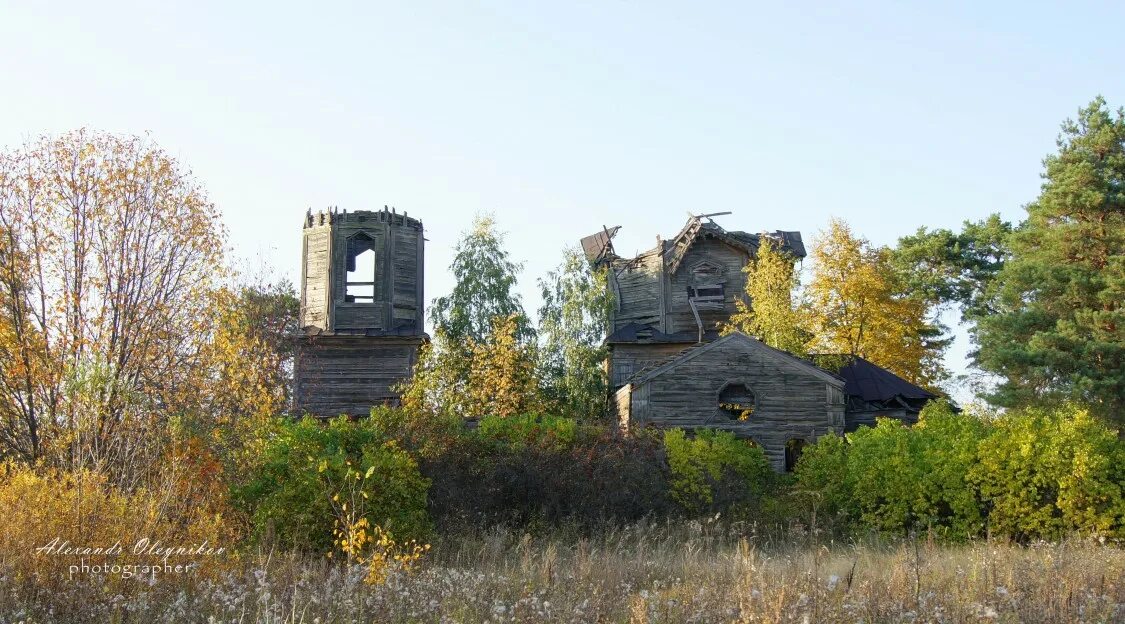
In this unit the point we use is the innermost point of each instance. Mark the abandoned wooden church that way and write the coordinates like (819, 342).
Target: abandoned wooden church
(362, 323)
(668, 366)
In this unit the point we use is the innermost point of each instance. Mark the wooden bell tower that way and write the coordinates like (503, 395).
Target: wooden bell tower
(362, 310)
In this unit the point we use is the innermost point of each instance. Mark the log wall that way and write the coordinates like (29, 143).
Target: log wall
(350, 374)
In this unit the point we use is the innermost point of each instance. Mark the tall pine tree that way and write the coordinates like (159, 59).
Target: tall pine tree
(1058, 329)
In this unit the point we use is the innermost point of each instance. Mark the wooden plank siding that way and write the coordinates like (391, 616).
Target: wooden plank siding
(397, 242)
(793, 400)
(630, 359)
(638, 290)
(350, 374)
(314, 287)
(715, 252)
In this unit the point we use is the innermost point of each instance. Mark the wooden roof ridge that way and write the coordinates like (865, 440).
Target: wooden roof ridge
(689, 354)
(695, 226)
(683, 241)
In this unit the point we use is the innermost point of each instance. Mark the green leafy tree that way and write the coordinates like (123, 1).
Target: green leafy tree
(767, 312)
(482, 356)
(493, 377)
(572, 325)
(1058, 329)
(486, 278)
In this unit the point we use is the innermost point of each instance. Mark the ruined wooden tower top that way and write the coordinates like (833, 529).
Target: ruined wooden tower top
(362, 273)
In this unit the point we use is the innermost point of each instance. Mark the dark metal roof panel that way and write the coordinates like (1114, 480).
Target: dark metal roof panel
(875, 383)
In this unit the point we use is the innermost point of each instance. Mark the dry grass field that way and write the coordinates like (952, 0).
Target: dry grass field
(687, 572)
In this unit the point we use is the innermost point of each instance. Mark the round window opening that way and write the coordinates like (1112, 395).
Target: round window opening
(737, 401)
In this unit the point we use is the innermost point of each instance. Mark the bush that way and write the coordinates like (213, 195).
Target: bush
(946, 448)
(313, 478)
(423, 433)
(596, 479)
(1045, 473)
(821, 480)
(83, 508)
(530, 430)
(713, 469)
(1033, 474)
(915, 479)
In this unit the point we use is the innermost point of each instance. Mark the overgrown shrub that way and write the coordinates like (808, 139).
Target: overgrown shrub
(1043, 473)
(821, 481)
(80, 509)
(423, 433)
(915, 479)
(544, 432)
(713, 469)
(1036, 474)
(533, 471)
(312, 477)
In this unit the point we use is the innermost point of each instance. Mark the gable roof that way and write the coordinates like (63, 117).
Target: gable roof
(690, 354)
(875, 383)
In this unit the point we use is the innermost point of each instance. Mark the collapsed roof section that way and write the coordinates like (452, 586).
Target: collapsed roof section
(598, 247)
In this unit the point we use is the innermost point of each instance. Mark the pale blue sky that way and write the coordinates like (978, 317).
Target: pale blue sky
(562, 117)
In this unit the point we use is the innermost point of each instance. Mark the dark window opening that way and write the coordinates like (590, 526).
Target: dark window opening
(737, 401)
(793, 450)
(359, 284)
(706, 297)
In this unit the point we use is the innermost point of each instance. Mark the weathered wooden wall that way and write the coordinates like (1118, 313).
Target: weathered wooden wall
(628, 359)
(713, 251)
(636, 286)
(399, 250)
(314, 271)
(793, 402)
(648, 293)
(343, 374)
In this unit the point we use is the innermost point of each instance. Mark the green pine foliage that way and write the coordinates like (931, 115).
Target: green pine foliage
(1059, 327)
